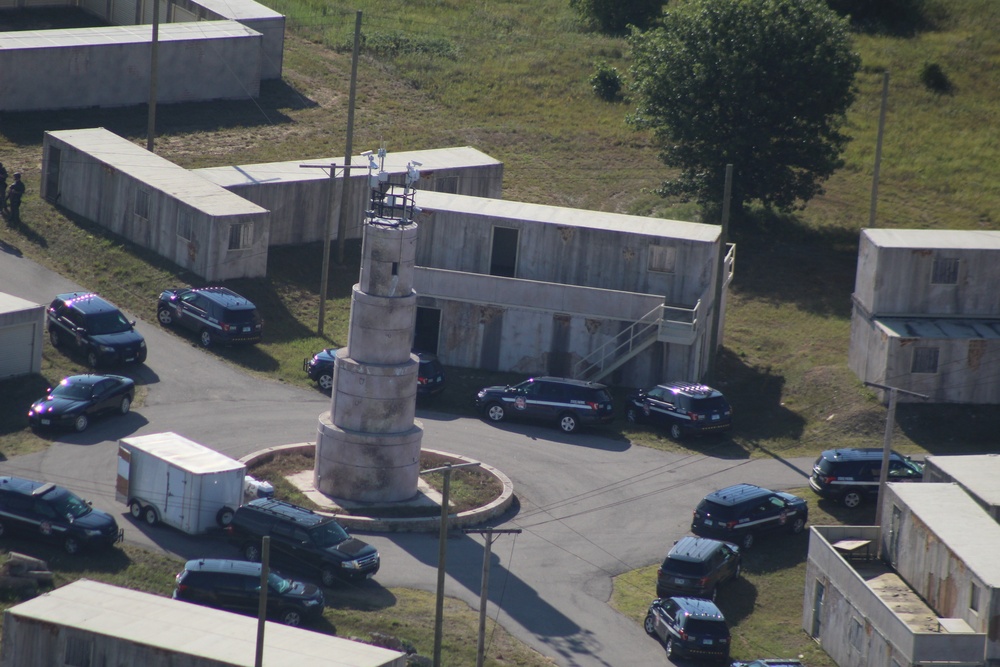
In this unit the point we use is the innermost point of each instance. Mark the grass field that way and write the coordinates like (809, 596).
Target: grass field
(511, 79)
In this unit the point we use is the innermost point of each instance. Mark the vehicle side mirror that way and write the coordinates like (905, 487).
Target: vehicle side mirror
(132, 322)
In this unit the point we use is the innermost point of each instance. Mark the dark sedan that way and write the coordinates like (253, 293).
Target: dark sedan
(430, 374)
(77, 398)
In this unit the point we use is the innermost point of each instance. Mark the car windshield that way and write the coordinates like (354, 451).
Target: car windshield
(278, 583)
(328, 534)
(66, 503)
(72, 391)
(107, 323)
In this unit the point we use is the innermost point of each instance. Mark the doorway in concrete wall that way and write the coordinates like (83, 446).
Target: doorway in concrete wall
(427, 330)
(503, 255)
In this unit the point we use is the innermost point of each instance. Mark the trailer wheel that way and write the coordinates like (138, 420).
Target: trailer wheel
(224, 517)
(149, 514)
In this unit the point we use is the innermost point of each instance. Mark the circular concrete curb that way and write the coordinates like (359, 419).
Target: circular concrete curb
(388, 525)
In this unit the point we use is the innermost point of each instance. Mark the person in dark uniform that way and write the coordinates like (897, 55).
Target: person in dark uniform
(3, 189)
(14, 194)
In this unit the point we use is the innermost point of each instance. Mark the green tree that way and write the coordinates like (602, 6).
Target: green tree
(761, 84)
(614, 16)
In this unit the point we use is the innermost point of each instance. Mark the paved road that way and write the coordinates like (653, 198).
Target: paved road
(590, 506)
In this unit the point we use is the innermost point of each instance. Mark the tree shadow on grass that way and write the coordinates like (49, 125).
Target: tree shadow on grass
(780, 259)
(756, 396)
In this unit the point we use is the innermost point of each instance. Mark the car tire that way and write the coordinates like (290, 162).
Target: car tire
(150, 515)
(291, 617)
(495, 412)
(649, 625)
(798, 525)
(676, 432)
(80, 423)
(668, 647)
(205, 338)
(54, 337)
(125, 405)
(328, 577)
(92, 359)
(568, 422)
(135, 509)
(325, 381)
(747, 541)
(851, 499)
(632, 416)
(71, 545)
(165, 317)
(224, 517)
(252, 553)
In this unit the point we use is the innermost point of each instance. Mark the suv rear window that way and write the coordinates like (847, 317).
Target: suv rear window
(707, 404)
(241, 316)
(685, 567)
(698, 626)
(599, 395)
(723, 512)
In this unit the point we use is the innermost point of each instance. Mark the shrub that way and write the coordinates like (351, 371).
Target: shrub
(614, 16)
(932, 76)
(606, 82)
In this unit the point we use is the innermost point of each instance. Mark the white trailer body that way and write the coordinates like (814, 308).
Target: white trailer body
(164, 477)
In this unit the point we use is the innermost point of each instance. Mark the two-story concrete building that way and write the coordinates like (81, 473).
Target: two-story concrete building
(933, 598)
(926, 313)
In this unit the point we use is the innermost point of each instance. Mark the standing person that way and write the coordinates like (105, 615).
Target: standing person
(3, 188)
(14, 194)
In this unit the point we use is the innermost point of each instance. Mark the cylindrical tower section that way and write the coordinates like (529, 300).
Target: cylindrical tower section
(368, 444)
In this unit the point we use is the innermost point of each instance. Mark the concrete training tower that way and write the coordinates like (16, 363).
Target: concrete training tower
(368, 445)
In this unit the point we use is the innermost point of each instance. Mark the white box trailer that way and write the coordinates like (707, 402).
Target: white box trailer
(164, 477)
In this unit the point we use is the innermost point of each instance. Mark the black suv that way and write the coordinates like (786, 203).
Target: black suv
(430, 374)
(689, 627)
(568, 403)
(682, 408)
(216, 314)
(234, 585)
(302, 540)
(53, 514)
(849, 476)
(740, 512)
(695, 566)
(96, 328)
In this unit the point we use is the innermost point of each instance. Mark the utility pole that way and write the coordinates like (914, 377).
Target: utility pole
(878, 148)
(265, 559)
(485, 588)
(331, 191)
(720, 275)
(890, 425)
(346, 188)
(153, 76)
(442, 553)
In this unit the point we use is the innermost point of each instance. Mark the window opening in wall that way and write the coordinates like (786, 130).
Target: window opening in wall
(662, 258)
(142, 204)
(854, 634)
(447, 184)
(818, 609)
(184, 225)
(240, 235)
(925, 360)
(944, 272)
(503, 256)
(973, 597)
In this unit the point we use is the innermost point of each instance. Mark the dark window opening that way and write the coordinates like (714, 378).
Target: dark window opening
(427, 330)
